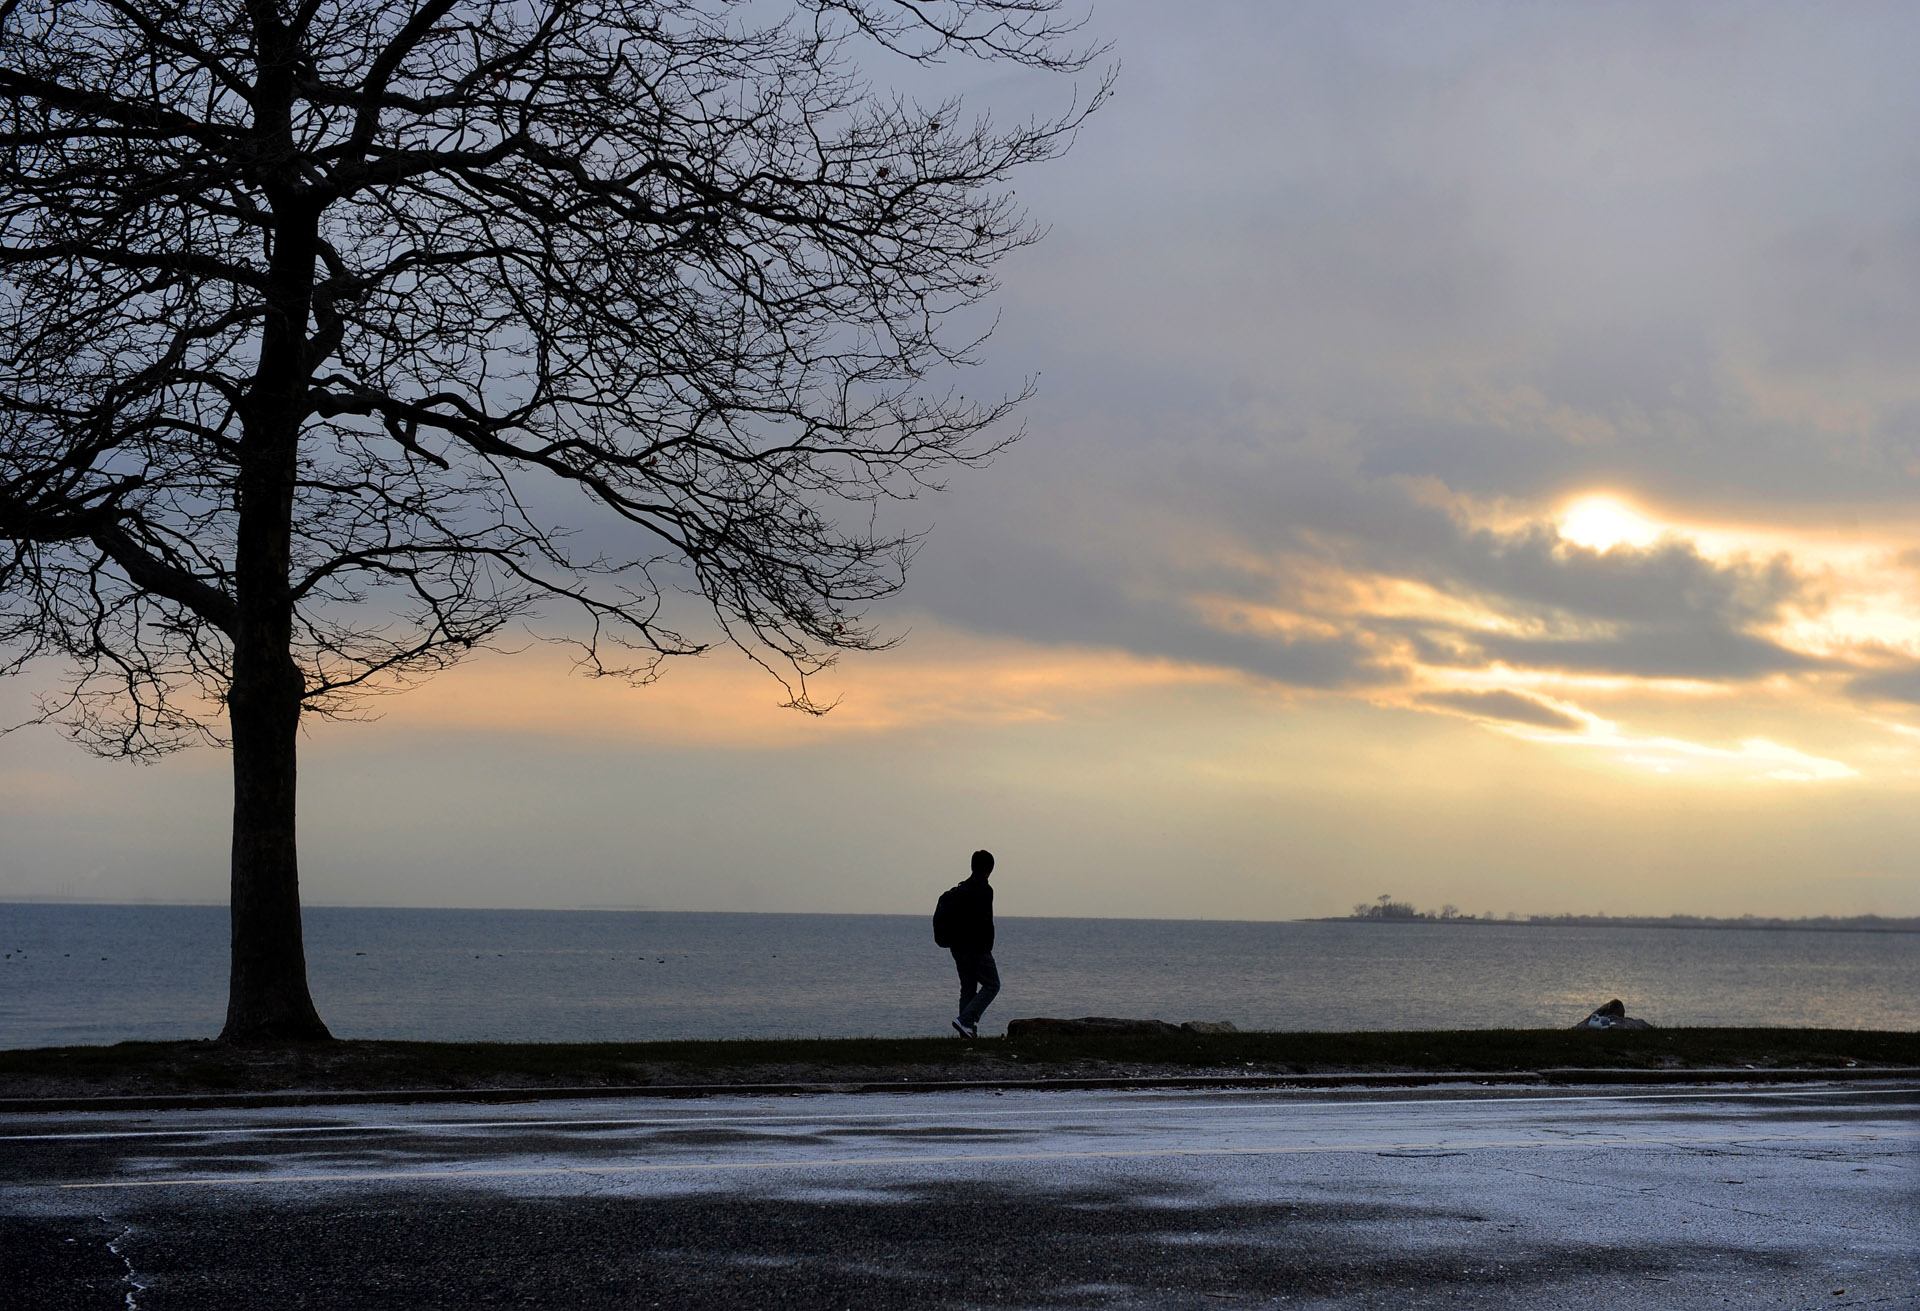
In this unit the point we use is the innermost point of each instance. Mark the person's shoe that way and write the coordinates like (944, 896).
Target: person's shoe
(965, 1030)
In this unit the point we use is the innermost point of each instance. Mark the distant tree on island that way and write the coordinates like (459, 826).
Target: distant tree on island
(1386, 908)
(339, 335)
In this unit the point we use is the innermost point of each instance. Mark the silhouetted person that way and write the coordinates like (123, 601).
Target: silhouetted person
(963, 923)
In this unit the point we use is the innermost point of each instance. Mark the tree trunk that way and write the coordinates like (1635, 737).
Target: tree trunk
(267, 998)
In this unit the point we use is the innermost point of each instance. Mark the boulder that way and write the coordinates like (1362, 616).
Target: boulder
(1087, 1026)
(1612, 1016)
(1208, 1026)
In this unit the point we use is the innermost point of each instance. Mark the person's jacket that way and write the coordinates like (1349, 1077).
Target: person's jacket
(973, 926)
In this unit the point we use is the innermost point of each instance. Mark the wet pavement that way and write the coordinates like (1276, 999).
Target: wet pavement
(1493, 1198)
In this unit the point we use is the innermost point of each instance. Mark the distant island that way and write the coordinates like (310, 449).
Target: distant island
(1386, 910)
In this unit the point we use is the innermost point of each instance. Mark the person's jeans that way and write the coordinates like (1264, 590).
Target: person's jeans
(979, 983)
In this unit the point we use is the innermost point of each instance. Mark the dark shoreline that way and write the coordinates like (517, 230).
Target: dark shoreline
(163, 1069)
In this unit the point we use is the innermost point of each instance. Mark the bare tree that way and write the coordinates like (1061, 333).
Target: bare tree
(325, 325)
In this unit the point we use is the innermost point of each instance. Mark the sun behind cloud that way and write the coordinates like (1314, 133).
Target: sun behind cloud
(1602, 522)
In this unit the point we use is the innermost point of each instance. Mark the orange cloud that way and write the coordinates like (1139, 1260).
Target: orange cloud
(723, 700)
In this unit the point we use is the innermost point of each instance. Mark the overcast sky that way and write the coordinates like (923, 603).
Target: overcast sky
(1476, 458)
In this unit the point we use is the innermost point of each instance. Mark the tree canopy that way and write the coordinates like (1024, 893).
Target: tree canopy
(675, 259)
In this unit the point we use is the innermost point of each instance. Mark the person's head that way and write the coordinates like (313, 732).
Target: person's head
(982, 864)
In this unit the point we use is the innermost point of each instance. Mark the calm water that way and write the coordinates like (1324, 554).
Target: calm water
(89, 974)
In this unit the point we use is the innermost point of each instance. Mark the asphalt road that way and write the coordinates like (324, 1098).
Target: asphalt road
(1776, 1198)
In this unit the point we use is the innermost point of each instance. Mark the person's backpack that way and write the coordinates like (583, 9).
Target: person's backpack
(947, 914)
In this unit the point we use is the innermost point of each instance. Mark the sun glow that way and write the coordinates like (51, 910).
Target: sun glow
(1601, 523)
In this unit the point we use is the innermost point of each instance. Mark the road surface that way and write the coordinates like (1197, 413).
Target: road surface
(1808, 1197)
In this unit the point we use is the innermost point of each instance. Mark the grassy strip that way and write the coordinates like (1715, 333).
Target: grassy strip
(203, 1067)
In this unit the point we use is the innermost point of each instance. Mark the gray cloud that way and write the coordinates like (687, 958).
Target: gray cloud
(1519, 253)
(1845, 292)
(1668, 583)
(1901, 684)
(1514, 707)
(1025, 589)
(1121, 559)
(1706, 654)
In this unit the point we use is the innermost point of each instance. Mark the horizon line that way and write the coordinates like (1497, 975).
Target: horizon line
(31, 899)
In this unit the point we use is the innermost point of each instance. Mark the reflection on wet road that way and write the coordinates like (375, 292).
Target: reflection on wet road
(1726, 1197)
